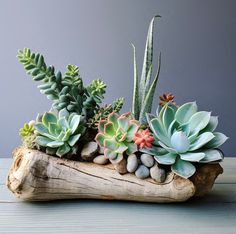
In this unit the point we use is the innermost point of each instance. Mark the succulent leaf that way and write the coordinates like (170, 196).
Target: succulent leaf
(185, 112)
(212, 155)
(166, 159)
(217, 141)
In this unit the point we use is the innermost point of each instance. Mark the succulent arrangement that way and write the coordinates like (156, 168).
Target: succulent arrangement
(176, 139)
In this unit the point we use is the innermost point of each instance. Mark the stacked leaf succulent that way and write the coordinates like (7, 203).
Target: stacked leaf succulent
(185, 136)
(116, 136)
(144, 90)
(59, 134)
(66, 91)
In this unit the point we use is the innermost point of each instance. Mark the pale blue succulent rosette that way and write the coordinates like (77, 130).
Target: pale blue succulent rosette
(184, 136)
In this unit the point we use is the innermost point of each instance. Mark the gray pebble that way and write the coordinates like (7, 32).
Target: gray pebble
(101, 160)
(147, 160)
(142, 172)
(89, 151)
(132, 163)
(158, 174)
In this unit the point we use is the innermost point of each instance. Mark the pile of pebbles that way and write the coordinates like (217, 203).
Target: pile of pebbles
(143, 166)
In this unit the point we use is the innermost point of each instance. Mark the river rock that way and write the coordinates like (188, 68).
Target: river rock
(101, 150)
(89, 151)
(147, 160)
(142, 172)
(158, 174)
(132, 163)
(121, 166)
(101, 160)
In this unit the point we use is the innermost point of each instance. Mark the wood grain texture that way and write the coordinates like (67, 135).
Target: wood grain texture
(215, 213)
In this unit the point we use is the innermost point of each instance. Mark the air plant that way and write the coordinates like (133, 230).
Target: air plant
(116, 134)
(144, 90)
(185, 136)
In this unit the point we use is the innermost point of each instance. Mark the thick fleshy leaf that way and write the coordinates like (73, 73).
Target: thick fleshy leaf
(117, 159)
(109, 129)
(133, 128)
(168, 117)
(166, 159)
(185, 112)
(183, 168)
(55, 144)
(158, 131)
(42, 141)
(217, 141)
(100, 138)
(121, 148)
(63, 123)
(192, 156)
(101, 125)
(62, 150)
(212, 155)
(110, 154)
(149, 117)
(74, 123)
(169, 149)
(180, 142)
(211, 126)
(154, 151)
(63, 113)
(132, 148)
(40, 128)
(67, 135)
(123, 123)
(53, 128)
(199, 121)
(111, 144)
(113, 118)
(73, 139)
(201, 140)
(51, 151)
(172, 128)
(49, 118)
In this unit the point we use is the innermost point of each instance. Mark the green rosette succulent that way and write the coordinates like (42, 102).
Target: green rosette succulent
(183, 136)
(116, 136)
(59, 133)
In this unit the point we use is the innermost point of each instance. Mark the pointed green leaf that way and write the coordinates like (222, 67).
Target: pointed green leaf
(73, 139)
(100, 138)
(62, 150)
(109, 129)
(192, 156)
(42, 141)
(166, 159)
(201, 140)
(185, 112)
(217, 141)
(41, 129)
(55, 144)
(49, 118)
(212, 155)
(211, 126)
(63, 113)
(183, 168)
(74, 123)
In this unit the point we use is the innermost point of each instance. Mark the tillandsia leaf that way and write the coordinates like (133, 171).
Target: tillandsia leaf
(147, 102)
(183, 168)
(135, 104)
(147, 61)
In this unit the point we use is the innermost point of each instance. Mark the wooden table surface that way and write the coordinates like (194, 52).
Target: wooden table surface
(215, 213)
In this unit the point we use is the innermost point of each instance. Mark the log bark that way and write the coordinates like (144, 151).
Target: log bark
(36, 176)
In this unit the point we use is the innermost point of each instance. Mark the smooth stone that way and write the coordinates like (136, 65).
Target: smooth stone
(147, 160)
(142, 172)
(158, 174)
(132, 163)
(89, 151)
(121, 166)
(101, 150)
(101, 160)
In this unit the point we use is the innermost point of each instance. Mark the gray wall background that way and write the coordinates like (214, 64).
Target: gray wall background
(197, 40)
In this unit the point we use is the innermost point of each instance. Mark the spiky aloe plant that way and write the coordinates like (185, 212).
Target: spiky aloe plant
(184, 136)
(59, 134)
(144, 90)
(116, 136)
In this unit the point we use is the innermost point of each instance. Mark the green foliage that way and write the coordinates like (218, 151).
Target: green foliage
(184, 136)
(103, 112)
(27, 130)
(116, 136)
(59, 134)
(66, 91)
(144, 90)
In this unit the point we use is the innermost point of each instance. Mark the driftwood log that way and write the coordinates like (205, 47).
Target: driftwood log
(36, 176)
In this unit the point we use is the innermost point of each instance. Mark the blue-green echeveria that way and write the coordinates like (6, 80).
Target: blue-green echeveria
(59, 133)
(184, 135)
